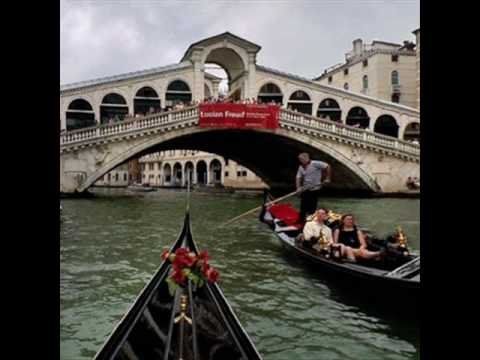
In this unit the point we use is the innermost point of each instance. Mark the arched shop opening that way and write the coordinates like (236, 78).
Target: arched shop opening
(386, 125)
(270, 92)
(301, 102)
(178, 91)
(358, 117)
(146, 101)
(330, 110)
(412, 132)
(79, 115)
(113, 109)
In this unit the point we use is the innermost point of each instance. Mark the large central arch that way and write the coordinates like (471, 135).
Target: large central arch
(272, 156)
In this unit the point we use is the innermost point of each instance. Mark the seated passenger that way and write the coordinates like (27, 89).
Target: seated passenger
(353, 240)
(314, 225)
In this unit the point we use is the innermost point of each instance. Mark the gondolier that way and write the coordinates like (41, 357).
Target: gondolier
(309, 182)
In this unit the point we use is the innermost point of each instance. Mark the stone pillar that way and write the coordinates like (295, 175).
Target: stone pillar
(222, 172)
(198, 91)
(215, 88)
(250, 91)
(194, 175)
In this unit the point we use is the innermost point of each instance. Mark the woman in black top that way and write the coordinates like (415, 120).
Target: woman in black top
(353, 239)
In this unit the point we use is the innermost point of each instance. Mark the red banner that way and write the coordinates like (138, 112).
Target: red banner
(239, 116)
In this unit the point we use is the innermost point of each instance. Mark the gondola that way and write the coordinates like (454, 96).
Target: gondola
(195, 323)
(394, 280)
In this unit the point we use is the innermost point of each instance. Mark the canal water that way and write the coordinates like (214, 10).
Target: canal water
(111, 245)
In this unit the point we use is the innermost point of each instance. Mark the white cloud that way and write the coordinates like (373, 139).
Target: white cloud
(100, 38)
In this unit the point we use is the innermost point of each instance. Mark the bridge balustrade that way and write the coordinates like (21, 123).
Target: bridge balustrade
(296, 120)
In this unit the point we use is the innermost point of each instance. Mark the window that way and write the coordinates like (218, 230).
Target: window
(365, 62)
(226, 173)
(150, 166)
(394, 58)
(244, 173)
(239, 173)
(330, 79)
(345, 86)
(345, 72)
(396, 98)
(142, 167)
(151, 176)
(365, 82)
(226, 162)
(395, 80)
(116, 177)
(125, 177)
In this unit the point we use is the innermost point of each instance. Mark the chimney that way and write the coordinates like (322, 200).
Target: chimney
(357, 46)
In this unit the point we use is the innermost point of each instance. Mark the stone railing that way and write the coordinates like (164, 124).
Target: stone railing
(288, 119)
(304, 122)
(128, 126)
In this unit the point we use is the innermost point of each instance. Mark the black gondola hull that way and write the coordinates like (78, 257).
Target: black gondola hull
(370, 285)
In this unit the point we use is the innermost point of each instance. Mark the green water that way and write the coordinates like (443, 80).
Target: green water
(110, 246)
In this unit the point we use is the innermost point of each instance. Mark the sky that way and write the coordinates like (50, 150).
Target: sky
(304, 37)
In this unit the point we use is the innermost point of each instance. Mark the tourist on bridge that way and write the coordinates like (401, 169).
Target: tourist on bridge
(309, 181)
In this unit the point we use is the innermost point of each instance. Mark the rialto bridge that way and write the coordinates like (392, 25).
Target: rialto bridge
(365, 139)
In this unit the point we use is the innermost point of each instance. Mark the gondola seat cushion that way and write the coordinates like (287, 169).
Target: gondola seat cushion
(286, 213)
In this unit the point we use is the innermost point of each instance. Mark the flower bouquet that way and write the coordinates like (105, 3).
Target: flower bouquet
(186, 266)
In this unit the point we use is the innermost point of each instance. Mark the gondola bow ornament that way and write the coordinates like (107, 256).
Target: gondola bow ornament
(186, 265)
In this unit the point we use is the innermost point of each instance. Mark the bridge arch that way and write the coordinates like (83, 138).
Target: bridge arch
(227, 55)
(264, 161)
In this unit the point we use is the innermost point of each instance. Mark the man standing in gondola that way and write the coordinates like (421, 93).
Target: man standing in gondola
(309, 181)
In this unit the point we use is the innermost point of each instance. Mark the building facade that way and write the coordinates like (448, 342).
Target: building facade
(118, 177)
(417, 49)
(172, 168)
(381, 70)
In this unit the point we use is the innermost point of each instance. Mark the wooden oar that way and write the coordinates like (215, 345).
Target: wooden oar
(258, 208)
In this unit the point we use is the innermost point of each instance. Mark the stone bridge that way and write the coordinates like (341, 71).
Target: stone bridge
(361, 160)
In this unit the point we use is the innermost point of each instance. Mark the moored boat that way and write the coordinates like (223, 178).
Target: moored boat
(141, 188)
(395, 278)
(195, 323)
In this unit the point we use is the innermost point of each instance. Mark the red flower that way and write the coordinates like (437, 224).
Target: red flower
(181, 252)
(178, 277)
(203, 256)
(212, 274)
(165, 254)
